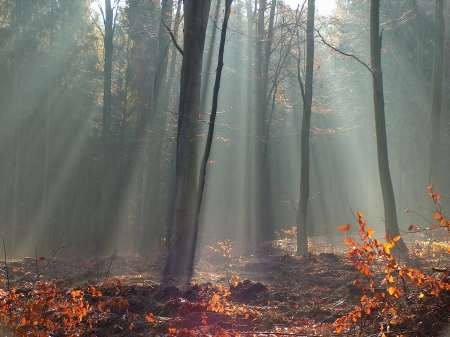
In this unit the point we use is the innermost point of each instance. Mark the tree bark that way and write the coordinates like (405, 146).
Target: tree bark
(103, 232)
(302, 236)
(180, 258)
(390, 212)
(257, 217)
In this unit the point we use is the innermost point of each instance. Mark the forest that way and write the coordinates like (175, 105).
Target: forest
(224, 168)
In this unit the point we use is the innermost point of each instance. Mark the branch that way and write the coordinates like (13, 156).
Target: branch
(101, 11)
(96, 24)
(341, 52)
(173, 38)
(115, 7)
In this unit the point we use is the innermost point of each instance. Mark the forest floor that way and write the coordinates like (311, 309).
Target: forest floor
(271, 293)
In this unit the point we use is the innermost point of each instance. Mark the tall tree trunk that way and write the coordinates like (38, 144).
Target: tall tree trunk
(151, 213)
(180, 258)
(438, 75)
(247, 218)
(104, 234)
(266, 225)
(390, 212)
(45, 204)
(302, 236)
(258, 132)
(423, 165)
(215, 102)
(18, 121)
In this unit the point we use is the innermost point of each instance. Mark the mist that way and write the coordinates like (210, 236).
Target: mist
(53, 144)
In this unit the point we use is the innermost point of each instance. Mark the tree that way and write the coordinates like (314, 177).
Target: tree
(183, 239)
(438, 74)
(103, 232)
(307, 91)
(390, 212)
(151, 213)
(213, 115)
(260, 224)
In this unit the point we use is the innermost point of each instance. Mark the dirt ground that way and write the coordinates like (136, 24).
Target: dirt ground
(269, 293)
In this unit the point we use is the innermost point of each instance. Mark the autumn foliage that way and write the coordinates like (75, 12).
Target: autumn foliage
(394, 294)
(406, 300)
(46, 309)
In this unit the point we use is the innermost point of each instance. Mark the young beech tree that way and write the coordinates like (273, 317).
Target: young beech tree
(390, 212)
(307, 91)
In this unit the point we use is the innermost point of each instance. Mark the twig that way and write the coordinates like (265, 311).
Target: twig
(36, 262)
(350, 207)
(52, 258)
(109, 267)
(96, 264)
(6, 263)
(289, 196)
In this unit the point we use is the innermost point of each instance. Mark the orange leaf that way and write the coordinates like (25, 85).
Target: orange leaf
(359, 214)
(397, 238)
(394, 291)
(410, 228)
(370, 231)
(386, 247)
(339, 329)
(131, 326)
(149, 318)
(341, 228)
(101, 306)
(348, 240)
(347, 228)
(42, 258)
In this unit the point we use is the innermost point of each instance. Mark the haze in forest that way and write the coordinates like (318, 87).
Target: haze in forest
(323, 7)
(103, 138)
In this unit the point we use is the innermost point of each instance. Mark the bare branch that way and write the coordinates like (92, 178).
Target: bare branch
(173, 38)
(341, 52)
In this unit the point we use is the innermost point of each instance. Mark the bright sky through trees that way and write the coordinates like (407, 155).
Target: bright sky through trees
(323, 7)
